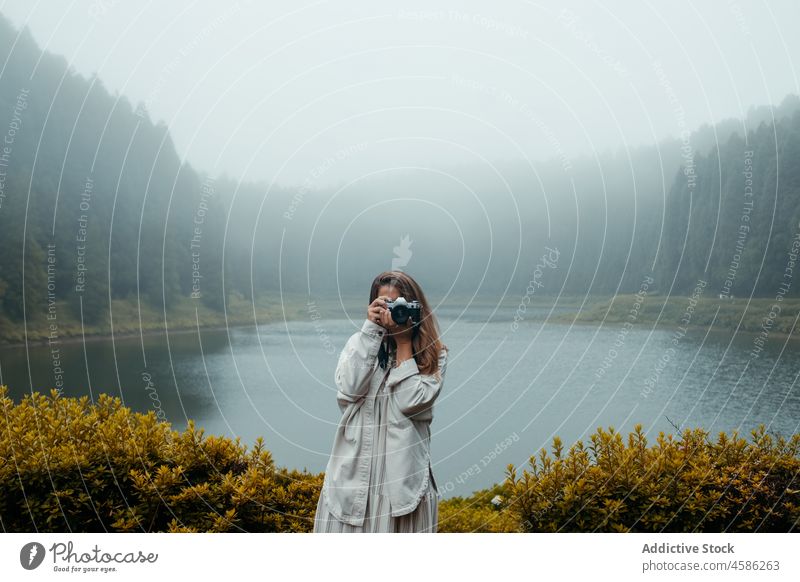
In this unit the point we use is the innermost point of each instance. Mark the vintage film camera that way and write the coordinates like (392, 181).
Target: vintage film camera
(401, 310)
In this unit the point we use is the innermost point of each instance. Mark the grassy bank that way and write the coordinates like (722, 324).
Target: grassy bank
(128, 318)
(675, 311)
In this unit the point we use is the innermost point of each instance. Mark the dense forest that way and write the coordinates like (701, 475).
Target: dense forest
(96, 203)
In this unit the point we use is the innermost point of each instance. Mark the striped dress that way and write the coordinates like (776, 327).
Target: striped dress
(377, 518)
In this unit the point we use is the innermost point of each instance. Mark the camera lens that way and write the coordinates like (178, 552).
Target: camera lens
(400, 313)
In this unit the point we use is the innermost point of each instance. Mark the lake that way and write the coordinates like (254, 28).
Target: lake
(507, 392)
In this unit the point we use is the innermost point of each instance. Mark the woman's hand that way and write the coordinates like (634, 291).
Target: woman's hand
(375, 310)
(378, 313)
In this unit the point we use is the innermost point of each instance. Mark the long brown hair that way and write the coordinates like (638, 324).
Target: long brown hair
(425, 343)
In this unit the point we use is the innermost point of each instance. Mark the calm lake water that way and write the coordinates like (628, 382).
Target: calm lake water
(507, 392)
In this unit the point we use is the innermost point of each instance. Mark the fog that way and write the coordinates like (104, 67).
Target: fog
(270, 91)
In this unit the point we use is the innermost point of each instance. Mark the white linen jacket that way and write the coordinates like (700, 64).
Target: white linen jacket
(410, 411)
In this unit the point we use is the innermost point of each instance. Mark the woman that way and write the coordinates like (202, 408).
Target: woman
(379, 476)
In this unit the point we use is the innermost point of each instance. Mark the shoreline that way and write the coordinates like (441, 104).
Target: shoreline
(671, 326)
(290, 310)
(74, 339)
(665, 326)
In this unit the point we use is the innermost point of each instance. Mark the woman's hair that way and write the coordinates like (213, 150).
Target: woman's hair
(425, 341)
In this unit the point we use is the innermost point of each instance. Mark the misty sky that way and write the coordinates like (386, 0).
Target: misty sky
(271, 90)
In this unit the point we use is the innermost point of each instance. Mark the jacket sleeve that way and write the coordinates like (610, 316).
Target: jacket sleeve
(415, 392)
(356, 363)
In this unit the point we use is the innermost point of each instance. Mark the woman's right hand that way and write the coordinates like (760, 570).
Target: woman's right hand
(375, 309)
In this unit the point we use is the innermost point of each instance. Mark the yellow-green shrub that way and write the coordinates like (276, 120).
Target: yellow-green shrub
(679, 485)
(477, 514)
(69, 465)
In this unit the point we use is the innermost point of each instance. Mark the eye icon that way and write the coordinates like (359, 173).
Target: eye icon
(31, 555)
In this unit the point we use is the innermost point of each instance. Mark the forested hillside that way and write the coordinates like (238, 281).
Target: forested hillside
(99, 195)
(96, 203)
(738, 226)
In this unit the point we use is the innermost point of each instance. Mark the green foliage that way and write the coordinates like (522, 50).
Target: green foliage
(69, 465)
(12, 284)
(681, 484)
